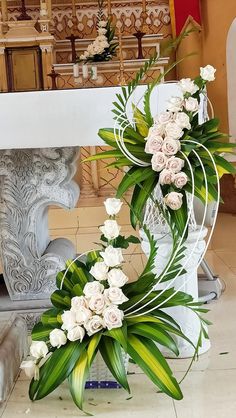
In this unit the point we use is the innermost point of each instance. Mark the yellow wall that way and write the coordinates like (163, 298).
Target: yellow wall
(217, 16)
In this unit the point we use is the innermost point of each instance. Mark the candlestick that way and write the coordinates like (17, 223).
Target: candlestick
(94, 72)
(76, 70)
(85, 70)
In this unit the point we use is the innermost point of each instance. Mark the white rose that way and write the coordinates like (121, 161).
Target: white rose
(175, 164)
(93, 288)
(112, 256)
(158, 161)
(99, 270)
(183, 120)
(82, 315)
(175, 104)
(30, 368)
(57, 338)
(113, 206)
(113, 317)
(68, 319)
(153, 144)
(173, 130)
(97, 303)
(102, 31)
(173, 200)
(38, 349)
(78, 301)
(116, 278)
(191, 104)
(166, 177)
(76, 333)
(156, 130)
(208, 73)
(170, 146)
(188, 86)
(180, 179)
(115, 295)
(94, 325)
(102, 23)
(164, 118)
(110, 230)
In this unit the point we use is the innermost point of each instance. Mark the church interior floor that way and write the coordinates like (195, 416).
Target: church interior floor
(209, 389)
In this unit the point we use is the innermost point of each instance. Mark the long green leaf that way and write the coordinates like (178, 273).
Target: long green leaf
(133, 176)
(41, 332)
(112, 355)
(145, 353)
(77, 380)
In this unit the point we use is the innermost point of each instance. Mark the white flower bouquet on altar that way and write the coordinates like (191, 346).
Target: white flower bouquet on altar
(93, 313)
(103, 48)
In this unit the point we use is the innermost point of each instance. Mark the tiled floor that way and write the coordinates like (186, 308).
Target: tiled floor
(209, 389)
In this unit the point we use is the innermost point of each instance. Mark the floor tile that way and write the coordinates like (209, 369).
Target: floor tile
(208, 394)
(145, 402)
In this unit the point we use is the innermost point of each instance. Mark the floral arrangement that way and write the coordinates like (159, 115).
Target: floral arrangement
(103, 48)
(92, 312)
(169, 150)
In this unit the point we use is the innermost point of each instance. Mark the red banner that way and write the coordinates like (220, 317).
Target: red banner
(181, 12)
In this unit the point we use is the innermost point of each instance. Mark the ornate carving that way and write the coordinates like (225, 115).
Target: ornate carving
(31, 180)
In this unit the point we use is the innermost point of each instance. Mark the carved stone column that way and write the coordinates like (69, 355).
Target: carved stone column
(30, 181)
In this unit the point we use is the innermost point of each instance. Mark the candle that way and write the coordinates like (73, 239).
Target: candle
(109, 8)
(76, 70)
(85, 70)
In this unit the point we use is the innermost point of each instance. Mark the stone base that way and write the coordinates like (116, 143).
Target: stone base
(13, 348)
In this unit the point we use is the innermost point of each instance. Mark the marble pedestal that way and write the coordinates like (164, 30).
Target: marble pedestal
(30, 181)
(187, 283)
(13, 348)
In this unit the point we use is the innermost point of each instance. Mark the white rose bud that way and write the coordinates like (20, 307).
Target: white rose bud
(94, 325)
(173, 130)
(99, 270)
(156, 130)
(93, 288)
(112, 256)
(110, 229)
(68, 319)
(76, 333)
(173, 200)
(116, 278)
(191, 104)
(38, 349)
(208, 73)
(175, 104)
(102, 23)
(57, 338)
(180, 180)
(115, 295)
(166, 177)
(77, 302)
(113, 206)
(113, 317)
(174, 164)
(97, 303)
(170, 146)
(158, 161)
(153, 144)
(164, 118)
(188, 86)
(182, 120)
(30, 368)
(82, 315)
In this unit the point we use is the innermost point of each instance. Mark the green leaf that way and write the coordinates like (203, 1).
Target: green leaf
(140, 196)
(92, 347)
(140, 122)
(41, 332)
(67, 285)
(56, 369)
(119, 334)
(112, 355)
(145, 353)
(132, 177)
(77, 380)
(61, 299)
(51, 317)
(155, 333)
